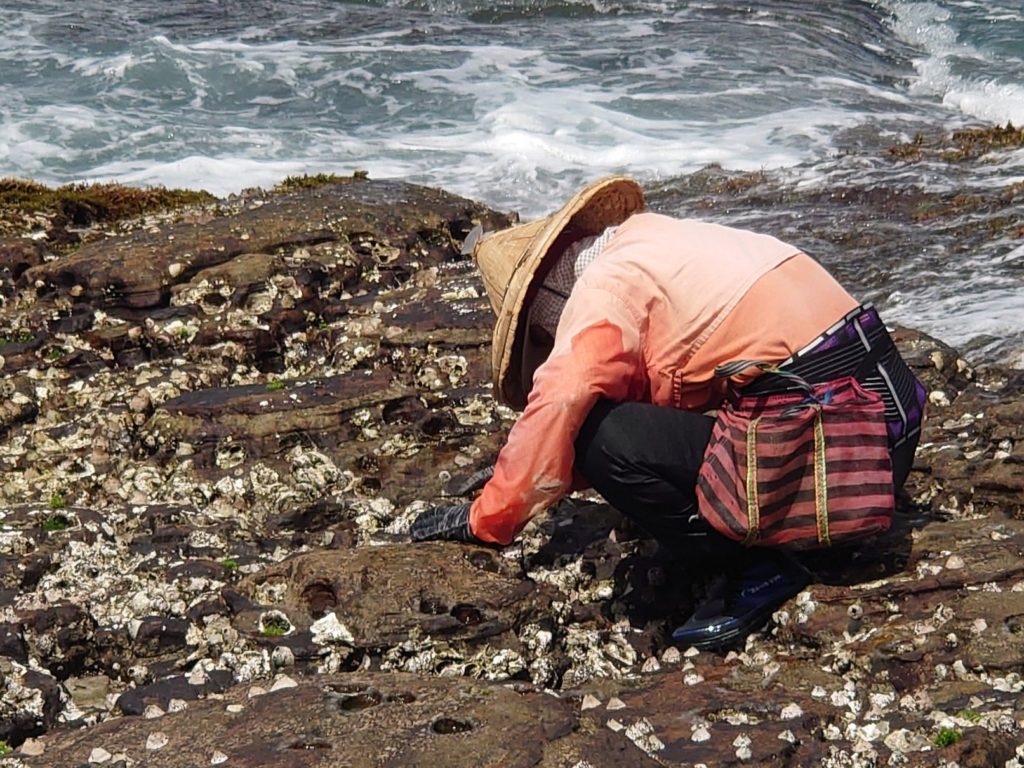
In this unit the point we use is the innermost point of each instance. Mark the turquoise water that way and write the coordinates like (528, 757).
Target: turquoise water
(514, 103)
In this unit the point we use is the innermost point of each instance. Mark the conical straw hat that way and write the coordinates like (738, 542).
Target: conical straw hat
(514, 262)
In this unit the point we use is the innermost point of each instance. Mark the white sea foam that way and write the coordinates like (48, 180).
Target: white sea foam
(221, 176)
(995, 312)
(112, 67)
(516, 104)
(957, 70)
(567, 102)
(994, 102)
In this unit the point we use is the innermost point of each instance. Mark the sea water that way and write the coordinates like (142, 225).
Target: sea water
(518, 102)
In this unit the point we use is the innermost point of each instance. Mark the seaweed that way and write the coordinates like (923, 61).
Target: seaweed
(947, 737)
(292, 183)
(965, 144)
(86, 204)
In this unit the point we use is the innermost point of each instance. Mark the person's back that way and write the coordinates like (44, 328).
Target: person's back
(706, 295)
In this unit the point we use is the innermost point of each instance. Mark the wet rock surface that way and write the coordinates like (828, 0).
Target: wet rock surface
(216, 427)
(361, 719)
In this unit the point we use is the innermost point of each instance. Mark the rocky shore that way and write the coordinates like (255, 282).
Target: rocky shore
(217, 422)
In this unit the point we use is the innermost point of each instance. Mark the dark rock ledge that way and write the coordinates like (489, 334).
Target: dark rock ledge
(216, 426)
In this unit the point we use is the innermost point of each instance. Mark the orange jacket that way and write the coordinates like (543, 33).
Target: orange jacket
(665, 302)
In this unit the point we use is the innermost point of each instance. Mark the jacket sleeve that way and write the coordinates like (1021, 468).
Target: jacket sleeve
(596, 354)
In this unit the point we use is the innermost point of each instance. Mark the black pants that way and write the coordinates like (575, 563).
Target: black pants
(644, 460)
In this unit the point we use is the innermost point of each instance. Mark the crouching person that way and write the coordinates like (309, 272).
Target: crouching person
(630, 339)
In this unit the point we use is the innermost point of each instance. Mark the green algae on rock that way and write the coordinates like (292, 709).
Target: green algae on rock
(311, 181)
(965, 144)
(23, 202)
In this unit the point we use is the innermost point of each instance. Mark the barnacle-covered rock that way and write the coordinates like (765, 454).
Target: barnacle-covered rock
(218, 426)
(345, 719)
(30, 701)
(383, 595)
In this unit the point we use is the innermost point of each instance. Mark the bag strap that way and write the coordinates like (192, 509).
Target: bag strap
(735, 367)
(738, 366)
(727, 370)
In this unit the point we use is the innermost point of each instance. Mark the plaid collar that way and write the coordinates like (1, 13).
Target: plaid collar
(554, 291)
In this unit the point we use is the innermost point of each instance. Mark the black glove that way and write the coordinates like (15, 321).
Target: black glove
(451, 523)
(466, 485)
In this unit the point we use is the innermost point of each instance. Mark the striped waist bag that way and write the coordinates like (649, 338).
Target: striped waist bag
(800, 458)
(858, 346)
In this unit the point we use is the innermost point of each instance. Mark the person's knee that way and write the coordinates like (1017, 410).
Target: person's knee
(606, 443)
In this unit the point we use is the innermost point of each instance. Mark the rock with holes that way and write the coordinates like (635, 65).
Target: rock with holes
(359, 720)
(16, 256)
(402, 596)
(217, 425)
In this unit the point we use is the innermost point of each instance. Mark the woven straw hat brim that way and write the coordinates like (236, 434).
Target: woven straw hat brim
(514, 261)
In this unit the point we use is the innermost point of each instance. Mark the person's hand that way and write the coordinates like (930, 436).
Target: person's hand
(450, 523)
